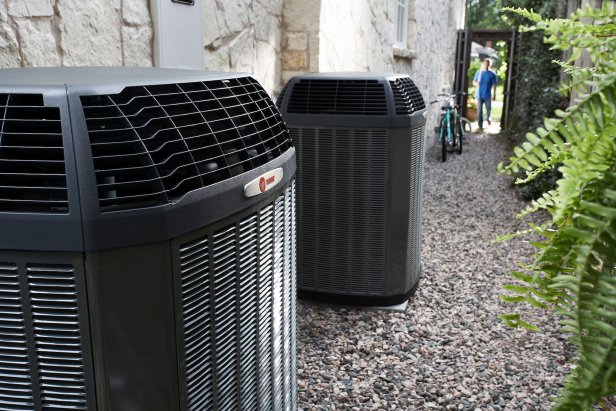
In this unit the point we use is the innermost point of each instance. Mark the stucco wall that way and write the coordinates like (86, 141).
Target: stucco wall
(75, 32)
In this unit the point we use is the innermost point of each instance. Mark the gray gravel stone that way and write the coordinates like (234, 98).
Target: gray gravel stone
(448, 350)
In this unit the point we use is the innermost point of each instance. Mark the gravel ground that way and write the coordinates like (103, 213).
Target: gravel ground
(448, 350)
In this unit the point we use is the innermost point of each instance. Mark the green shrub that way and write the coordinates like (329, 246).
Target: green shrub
(574, 269)
(535, 188)
(536, 90)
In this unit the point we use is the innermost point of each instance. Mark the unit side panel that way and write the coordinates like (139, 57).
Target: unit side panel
(342, 209)
(133, 328)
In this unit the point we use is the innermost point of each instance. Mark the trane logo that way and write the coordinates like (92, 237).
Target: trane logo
(263, 183)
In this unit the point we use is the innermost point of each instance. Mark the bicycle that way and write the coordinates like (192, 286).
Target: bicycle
(450, 129)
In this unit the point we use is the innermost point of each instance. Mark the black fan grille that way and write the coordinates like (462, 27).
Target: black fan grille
(350, 97)
(32, 167)
(238, 312)
(153, 144)
(407, 97)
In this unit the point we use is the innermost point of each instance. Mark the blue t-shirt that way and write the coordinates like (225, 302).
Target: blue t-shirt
(488, 80)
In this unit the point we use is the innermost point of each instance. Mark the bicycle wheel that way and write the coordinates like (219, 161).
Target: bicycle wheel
(459, 132)
(443, 138)
(466, 125)
(451, 135)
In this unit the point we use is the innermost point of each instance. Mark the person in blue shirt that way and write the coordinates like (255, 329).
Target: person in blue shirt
(485, 81)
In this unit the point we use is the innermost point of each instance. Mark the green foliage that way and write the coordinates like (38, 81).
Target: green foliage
(483, 14)
(500, 66)
(536, 88)
(536, 187)
(536, 93)
(574, 269)
(473, 68)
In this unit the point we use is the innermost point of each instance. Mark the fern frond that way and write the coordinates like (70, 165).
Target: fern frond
(574, 268)
(594, 314)
(529, 14)
(549, 140)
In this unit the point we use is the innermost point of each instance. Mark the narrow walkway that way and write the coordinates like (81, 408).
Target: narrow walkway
(449, 350)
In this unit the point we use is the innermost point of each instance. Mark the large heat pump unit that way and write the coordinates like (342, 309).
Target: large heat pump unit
(147, 238)
(360, 152)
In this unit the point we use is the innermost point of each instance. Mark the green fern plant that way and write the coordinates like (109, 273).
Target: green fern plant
(574, 268)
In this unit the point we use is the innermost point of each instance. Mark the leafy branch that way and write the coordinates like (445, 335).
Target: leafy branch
(573, 272)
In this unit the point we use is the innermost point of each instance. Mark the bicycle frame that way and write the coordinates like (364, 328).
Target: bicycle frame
(446, 120)
(450, 129)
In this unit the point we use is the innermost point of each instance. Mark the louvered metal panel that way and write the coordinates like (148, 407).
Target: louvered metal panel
(288, 291)
(292, 295)
(15, 378)
(248, 311)
(350, 97)
(266, 225)
(417, 155)
(342, 197)
(195, 284)
(241, 278)
(55, 318)
(277, 302)
(225, 316)
(42, 349)
(32, 166)
(153, 144)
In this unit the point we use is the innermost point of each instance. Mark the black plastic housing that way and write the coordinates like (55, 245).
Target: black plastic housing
(138, 274)
(360, 149)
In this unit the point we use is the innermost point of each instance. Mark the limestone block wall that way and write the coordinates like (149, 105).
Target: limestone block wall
(244, 35)
(75, 32)
(300, 43)
(272, 39)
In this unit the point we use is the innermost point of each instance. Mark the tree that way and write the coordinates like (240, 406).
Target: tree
(574, 268)
(483, 14)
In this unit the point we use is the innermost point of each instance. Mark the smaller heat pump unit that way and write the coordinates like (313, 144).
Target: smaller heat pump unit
(360, 153)
(147, 242)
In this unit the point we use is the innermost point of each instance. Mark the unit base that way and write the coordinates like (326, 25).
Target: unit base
(358, 300)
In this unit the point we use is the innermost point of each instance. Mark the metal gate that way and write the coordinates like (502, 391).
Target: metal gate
(463, 60)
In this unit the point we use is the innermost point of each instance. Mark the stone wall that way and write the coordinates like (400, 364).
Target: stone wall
(244, 35)
(272, 39)
(300, 45)
(75, 32)
(358, 35)
(432, 37)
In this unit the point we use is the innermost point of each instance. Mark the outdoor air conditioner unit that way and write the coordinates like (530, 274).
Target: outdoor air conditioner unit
(360, 152)
(147, 242)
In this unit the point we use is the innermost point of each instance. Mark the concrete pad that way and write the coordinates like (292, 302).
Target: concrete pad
(399, 308)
